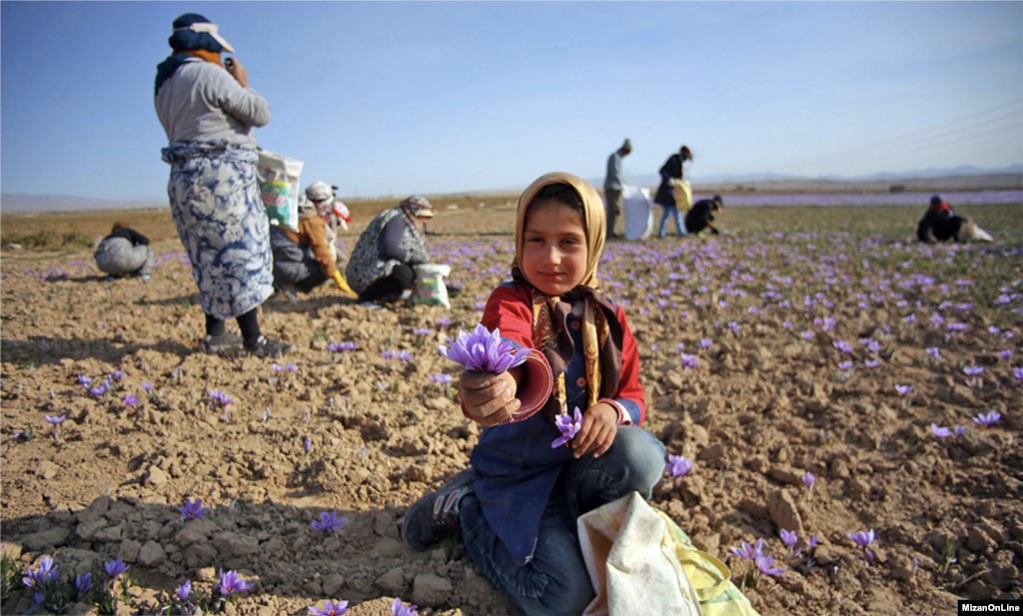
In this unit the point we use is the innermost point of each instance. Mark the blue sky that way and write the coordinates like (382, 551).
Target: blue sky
(393, 98)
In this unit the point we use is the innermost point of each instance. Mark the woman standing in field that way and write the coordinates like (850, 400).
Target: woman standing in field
(671, 176)
(208, 111)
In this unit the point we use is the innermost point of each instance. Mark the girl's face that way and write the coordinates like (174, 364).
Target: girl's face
(554, 254)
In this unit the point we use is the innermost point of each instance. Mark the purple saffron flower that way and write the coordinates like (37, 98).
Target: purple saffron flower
(842, 346)
(147, 387)
(871, 363)
(689, 362)
(789, 537)
(307, 445)
(115, 568)
(864, 539)
(766, 566)
(230, 583)
(940, 432)
(130, 400)
(388, 354)
(483, 351)
(808, 479)
(422, 331)
(83, 583)
(748, 552)
(221, 397)
(973, 370)
(56, 420)
(787, 324)
(84, 380)
(400, 609)
(989, 419)
(443, 322)
(405, 356)
(960, 430)
(874, 346)
(328, 522)
(705, 343)
(904, 390)
(43, 574)
(569, 427)
(808, 335)
(442, 379)
(277, 369)
(193, 510)
(678, 466)
(845, 365)
(1006, 355)
(98, 391)
(184, 591)
(934, 352)
(118, 375)
(329, 609)
(1018, 373)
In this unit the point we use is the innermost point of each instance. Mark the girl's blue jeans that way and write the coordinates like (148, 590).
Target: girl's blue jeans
(555, 581)
(667, 211)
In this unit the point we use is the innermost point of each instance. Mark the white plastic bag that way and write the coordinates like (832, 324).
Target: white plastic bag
(639, 217)
(278, 187)
(632, 562)
(430, 287)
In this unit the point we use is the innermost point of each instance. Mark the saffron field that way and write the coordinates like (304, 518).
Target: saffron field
(825, 386)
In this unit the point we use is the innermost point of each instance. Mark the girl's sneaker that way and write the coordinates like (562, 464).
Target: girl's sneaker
(435, 516)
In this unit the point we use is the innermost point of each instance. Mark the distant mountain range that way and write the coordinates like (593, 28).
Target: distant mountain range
(957, 178)
(11, 203)
(652, 179)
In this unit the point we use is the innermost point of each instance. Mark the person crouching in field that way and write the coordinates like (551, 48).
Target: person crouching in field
(516, 507)
(303, 260)
(702, 215)
(940, 223)
(125, 252)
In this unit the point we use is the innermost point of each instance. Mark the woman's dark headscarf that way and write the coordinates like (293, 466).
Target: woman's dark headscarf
(184, 39)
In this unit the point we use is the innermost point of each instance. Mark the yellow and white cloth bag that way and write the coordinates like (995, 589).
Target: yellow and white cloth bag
(632, 562)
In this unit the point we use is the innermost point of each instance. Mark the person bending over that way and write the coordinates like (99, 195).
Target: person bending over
(702, 215)
(125, 252)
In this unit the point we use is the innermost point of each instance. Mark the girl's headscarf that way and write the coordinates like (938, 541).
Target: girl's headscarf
(595, 222)
(602, 331)
(194, 36)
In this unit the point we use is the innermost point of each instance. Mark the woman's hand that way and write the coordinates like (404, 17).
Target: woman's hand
(489, 399)
(237, 71)
(600, 425)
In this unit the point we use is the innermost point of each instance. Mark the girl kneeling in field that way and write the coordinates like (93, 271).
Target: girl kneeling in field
(516, 507)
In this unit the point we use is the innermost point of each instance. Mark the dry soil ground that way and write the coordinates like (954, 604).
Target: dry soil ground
(793, 314)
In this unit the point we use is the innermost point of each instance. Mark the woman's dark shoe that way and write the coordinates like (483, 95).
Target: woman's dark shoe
(268, 347)
(224, 343)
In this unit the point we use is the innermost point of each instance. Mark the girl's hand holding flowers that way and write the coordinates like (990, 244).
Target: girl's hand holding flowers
(600, 425)
(489, 399)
